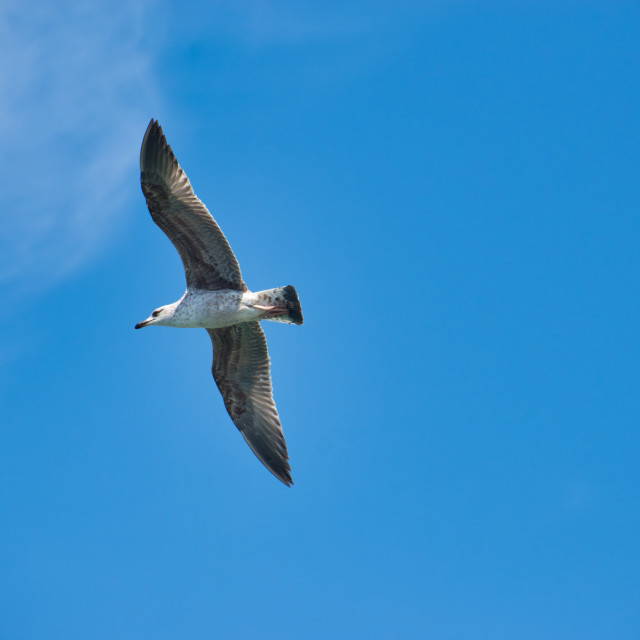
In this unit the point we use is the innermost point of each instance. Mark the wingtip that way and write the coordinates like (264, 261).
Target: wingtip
(154, 130)
(286, 481)
(275, 463)
(280, 470)
(158, 164)
(153, 123)
(283, 473)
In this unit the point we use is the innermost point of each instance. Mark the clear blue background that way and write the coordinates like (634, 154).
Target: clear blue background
(453, 189)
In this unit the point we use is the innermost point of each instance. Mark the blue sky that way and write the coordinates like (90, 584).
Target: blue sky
(453, 189)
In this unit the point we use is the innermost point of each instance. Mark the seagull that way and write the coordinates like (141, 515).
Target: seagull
(218, 300)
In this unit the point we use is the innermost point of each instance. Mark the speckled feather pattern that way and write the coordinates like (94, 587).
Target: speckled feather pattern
(215, 309)
(241, 369)
(209, 263)
(218, 299)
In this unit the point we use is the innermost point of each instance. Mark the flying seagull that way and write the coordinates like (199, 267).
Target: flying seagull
(218, 300)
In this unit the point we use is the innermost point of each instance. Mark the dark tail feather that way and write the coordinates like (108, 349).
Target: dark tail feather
(295, 310)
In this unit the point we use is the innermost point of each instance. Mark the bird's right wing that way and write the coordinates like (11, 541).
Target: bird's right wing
(242, 371)
(209, 262)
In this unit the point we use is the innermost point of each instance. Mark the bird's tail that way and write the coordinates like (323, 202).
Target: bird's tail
(285, 296)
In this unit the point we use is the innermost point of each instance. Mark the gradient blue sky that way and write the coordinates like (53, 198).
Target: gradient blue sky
(453, 189)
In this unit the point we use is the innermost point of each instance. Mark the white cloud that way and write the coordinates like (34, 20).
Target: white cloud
(75, 85)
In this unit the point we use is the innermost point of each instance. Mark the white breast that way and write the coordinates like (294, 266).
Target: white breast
(214, 309)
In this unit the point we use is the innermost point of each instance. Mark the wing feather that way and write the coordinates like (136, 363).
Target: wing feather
(209, 263)
(242, 371)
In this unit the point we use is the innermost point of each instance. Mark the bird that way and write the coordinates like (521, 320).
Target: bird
(218, 300)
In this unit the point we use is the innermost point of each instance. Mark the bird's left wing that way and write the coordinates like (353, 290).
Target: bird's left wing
(209, 263)
(242, 371)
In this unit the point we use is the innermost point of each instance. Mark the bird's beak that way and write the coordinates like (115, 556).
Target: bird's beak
(144, 323)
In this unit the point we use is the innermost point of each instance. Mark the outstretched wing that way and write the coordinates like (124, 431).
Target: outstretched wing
(241, 369)
(209, 262)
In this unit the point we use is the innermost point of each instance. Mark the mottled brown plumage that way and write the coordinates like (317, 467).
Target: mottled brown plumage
(209, 262)
(241, 369)
(218, 300)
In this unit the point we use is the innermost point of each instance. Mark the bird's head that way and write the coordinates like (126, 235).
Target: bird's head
(161, 316)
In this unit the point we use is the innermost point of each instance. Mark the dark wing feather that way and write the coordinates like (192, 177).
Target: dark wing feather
(208, 260)
(241, 369)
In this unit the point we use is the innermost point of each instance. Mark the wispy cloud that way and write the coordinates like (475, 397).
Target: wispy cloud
(75, 84)
(261, 22)
(288, 22)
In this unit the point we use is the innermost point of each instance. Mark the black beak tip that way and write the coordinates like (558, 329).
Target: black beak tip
(139, 325)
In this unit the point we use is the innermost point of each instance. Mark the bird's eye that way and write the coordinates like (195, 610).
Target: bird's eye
(156, 313)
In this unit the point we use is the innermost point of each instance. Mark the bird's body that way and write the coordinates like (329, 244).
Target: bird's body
(218, 300)
(199, 308)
